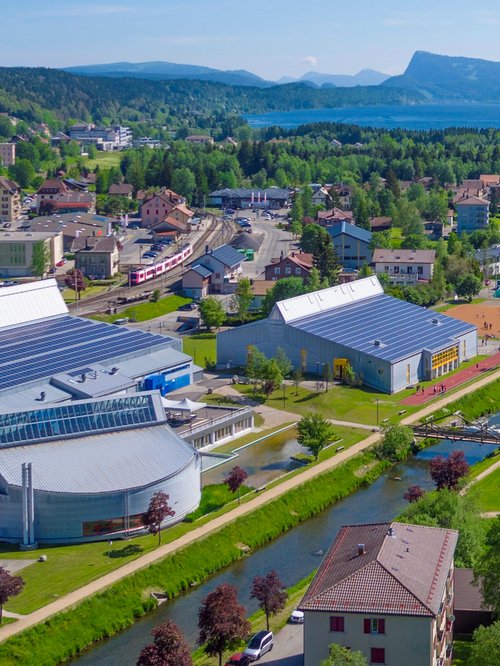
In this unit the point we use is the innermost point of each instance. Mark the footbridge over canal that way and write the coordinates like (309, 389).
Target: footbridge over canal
(461, 429)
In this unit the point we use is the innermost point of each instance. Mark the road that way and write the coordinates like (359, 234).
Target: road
(288, 647)
(275, 241)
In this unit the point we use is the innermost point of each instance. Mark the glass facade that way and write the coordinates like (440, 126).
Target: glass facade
(77, 419)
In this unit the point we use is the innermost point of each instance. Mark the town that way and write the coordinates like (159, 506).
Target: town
(250, 382)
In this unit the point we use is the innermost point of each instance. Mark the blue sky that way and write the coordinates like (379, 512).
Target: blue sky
(272, 38)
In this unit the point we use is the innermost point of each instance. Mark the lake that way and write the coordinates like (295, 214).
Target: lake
(418, 117)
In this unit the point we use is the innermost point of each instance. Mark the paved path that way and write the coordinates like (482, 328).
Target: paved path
(455, 380)
(490, 514)
(480, 476)
(259, 500)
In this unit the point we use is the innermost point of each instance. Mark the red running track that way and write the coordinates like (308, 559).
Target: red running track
(431, 392)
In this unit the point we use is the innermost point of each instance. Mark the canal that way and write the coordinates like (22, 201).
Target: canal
(294, 555)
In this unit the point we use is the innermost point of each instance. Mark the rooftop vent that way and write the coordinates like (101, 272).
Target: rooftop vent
(377, 343)
(113, 371)
(391, 533)
(361, 549)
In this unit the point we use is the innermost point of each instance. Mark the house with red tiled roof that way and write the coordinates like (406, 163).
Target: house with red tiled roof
(327, 218)
(121, 190)
(386, 590)
(296, 264)
(157, 206)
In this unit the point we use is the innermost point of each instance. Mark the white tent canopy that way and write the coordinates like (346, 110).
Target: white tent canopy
(188, 405)
(170, 404)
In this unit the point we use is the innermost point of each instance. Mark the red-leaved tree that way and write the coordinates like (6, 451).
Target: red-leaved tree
(271, 594)
(446, 472)
(75, 279)
(10, 586)
(235, 479)
(221, 621)
(169, 648)
(158, 510)
(413, 493)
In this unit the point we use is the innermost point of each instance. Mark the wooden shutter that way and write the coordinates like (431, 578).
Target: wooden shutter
(367, 626)
(381, 626)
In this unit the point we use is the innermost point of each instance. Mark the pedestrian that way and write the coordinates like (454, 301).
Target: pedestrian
(434, 389)
(477, 366)
(418, 388)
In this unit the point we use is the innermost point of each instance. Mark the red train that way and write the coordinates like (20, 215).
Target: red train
(143, 273)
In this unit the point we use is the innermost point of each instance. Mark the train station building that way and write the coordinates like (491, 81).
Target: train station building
(390, 344)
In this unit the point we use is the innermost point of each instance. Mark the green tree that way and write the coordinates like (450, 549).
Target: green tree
(314, 433)
(327, 375)
(255, 362)
(311, 238)
(297, 378)
(341, 656)
(271, 376)
(212, 313)
(296, 228)
(485, 649)
(306, 201)
(284, 363)
(396, 443)
(325, 259)
(468, 286)
(183, 182)
(155, 296)
(22, 172)
(487, 568)
(242, 298)
(450, 510)
(40, 258)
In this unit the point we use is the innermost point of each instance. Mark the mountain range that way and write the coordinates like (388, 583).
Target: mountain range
(160, 70)
(428, 76)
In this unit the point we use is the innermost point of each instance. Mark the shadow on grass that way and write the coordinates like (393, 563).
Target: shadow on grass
(127, 551)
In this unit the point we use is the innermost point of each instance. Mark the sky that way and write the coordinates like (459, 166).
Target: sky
(271, 38)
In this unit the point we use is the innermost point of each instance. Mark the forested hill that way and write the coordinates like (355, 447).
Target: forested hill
(44, 94)
(450, 78)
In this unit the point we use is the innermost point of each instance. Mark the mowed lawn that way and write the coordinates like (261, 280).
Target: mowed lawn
(104, 160)
(200, 346)
(487, 491)
(147, 311)
(343, 403)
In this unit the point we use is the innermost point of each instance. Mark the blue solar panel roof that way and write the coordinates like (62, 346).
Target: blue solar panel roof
(41, 349)
(402, 328)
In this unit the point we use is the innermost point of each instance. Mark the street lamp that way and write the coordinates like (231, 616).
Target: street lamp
(284, 395)
(317, 369)
(377, 400)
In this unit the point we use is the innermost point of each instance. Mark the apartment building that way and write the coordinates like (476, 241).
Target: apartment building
(10, 200)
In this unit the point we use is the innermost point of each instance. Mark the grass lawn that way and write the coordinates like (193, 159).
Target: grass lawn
(453, 304)
(69, 295)
(461, 653)
(105, 160)
(200, 346)
(214, 497)
(487, 492)
(343, 403)
(147, 311)
(484, 464)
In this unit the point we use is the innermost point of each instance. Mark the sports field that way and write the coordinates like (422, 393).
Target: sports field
(486, 316)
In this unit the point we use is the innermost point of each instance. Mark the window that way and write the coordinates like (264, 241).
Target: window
(288, 270)
(396, 269)
(374, 625)
(336, 623)
(420, 270)
(377, 656)
(277, 271)
(297, 271)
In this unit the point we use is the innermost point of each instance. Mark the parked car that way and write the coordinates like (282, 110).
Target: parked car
(149, 255)
(61, 263)
(238, 659)
(297, 617)
(260, 644)
(7, 225)
(230, 211)
(187, 306)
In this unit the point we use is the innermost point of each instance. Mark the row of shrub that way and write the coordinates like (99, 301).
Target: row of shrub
(106, 613)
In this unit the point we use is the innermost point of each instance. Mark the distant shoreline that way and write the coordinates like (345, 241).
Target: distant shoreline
(471, 115)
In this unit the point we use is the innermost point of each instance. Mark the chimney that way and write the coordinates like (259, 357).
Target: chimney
(42, 396)
(281, 254)
(361, 549)
(206, 249)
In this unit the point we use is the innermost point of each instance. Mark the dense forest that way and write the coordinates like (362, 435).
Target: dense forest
(55, 97)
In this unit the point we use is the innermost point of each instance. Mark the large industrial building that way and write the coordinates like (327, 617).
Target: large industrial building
(50, 356)
(87, 470)
(389, 344)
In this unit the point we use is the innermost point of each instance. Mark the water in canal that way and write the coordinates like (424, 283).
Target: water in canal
(292, 555)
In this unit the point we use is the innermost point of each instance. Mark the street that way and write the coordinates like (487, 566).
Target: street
(275, 241)
(288, 647)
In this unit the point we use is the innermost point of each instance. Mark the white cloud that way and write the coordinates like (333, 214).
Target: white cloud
(310, 60)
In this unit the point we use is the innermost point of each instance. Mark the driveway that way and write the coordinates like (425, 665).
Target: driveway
(288, 647)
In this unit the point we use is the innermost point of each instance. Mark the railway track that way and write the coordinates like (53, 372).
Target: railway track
(219, 232)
